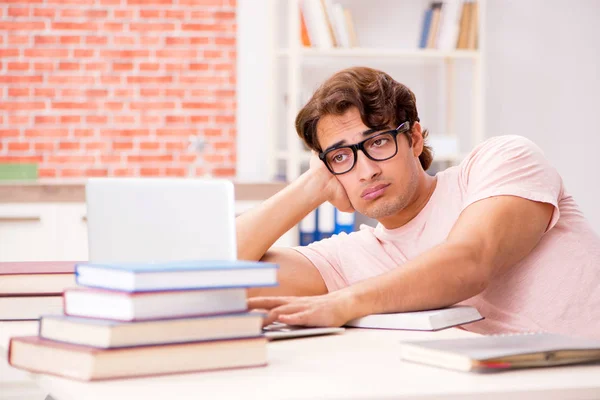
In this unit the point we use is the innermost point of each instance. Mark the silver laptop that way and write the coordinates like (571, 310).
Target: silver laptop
(160, 219)
(278, 331)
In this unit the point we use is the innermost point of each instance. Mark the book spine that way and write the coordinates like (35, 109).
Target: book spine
(304, 35)
(308, 228)
(326, 220)
(316, 21)
(434, 27)
(426, 26)
(344, 222)
(341, 26)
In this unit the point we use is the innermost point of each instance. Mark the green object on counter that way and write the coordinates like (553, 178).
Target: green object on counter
(18, 171)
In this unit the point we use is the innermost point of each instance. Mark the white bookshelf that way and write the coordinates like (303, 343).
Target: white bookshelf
(308, 54)
(448, 84)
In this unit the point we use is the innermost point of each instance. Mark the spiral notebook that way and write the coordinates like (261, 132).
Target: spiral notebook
(502, 352)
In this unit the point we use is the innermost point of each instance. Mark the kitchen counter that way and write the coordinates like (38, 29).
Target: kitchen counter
(66, 191)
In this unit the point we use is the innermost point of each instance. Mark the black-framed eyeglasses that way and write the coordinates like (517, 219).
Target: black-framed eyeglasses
(380, 147)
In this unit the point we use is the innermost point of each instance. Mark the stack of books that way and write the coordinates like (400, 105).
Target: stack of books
(131, 320)
(31, 289)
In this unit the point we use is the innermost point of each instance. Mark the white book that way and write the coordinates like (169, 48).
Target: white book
(326, 220)
(430, 320)
(104, 333)
(316, 24)
(144, 306)
(339, 24)
(449, 24)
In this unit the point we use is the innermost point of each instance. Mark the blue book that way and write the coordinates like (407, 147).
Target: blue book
(308, 229)
(176, 275)
(426, 27)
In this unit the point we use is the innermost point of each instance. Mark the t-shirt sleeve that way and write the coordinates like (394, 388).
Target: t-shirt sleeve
(512, 166)
(324, 255)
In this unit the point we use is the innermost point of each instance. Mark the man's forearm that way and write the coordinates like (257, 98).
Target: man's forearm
(259, 228)
(443, 276)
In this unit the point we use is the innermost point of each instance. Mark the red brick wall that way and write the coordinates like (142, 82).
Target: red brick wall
(117, 87)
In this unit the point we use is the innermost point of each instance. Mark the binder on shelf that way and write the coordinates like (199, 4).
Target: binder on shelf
(425, 29)
(344, 222)
(308, 229)
(325, 220)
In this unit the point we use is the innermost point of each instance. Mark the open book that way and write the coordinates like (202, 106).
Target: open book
(431, 320)
(501, 352)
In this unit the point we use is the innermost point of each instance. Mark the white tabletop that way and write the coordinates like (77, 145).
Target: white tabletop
(16, 384)
(358, 364)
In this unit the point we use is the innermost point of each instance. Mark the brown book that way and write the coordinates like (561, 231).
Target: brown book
(38, 355)
(14, 308)
(473, 27)
(36, 277)
(465, 21)
(434, 28)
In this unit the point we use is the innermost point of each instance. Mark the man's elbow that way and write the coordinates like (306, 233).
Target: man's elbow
(475, 273)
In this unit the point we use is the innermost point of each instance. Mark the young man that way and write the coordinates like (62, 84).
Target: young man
(498, 232)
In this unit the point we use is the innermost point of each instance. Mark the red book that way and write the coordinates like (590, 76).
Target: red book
(36, 277)
(37, 355)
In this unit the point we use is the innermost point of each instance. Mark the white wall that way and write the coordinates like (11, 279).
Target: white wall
(254, 74)
(541, 81)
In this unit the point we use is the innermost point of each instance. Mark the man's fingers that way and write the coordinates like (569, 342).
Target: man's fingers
(274, 314)
(267, 303)
(287, 309)
(299, 318)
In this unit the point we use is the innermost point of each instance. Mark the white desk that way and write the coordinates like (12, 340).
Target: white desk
(16, 384)
(359, 364)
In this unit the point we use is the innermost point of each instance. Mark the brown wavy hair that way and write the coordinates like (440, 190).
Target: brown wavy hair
(381, 101)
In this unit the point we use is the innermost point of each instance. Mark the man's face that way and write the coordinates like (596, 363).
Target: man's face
(377, 189)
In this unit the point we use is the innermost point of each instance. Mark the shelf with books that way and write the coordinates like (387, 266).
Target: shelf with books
(301, 68)
(432, 58)
(399, 54)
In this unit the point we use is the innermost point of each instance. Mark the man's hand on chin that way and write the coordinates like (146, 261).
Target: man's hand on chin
(332, 309)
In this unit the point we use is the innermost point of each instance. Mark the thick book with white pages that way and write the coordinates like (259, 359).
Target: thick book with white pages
(103, 333)
(123, 306)
(430, 320)
(176, 275)
(502, 352)
(38, 355)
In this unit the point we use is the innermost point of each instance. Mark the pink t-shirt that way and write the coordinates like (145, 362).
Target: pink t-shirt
(556, 288)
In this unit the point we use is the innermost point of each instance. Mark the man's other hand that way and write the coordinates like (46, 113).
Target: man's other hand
(333, 309)
(334, 191)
